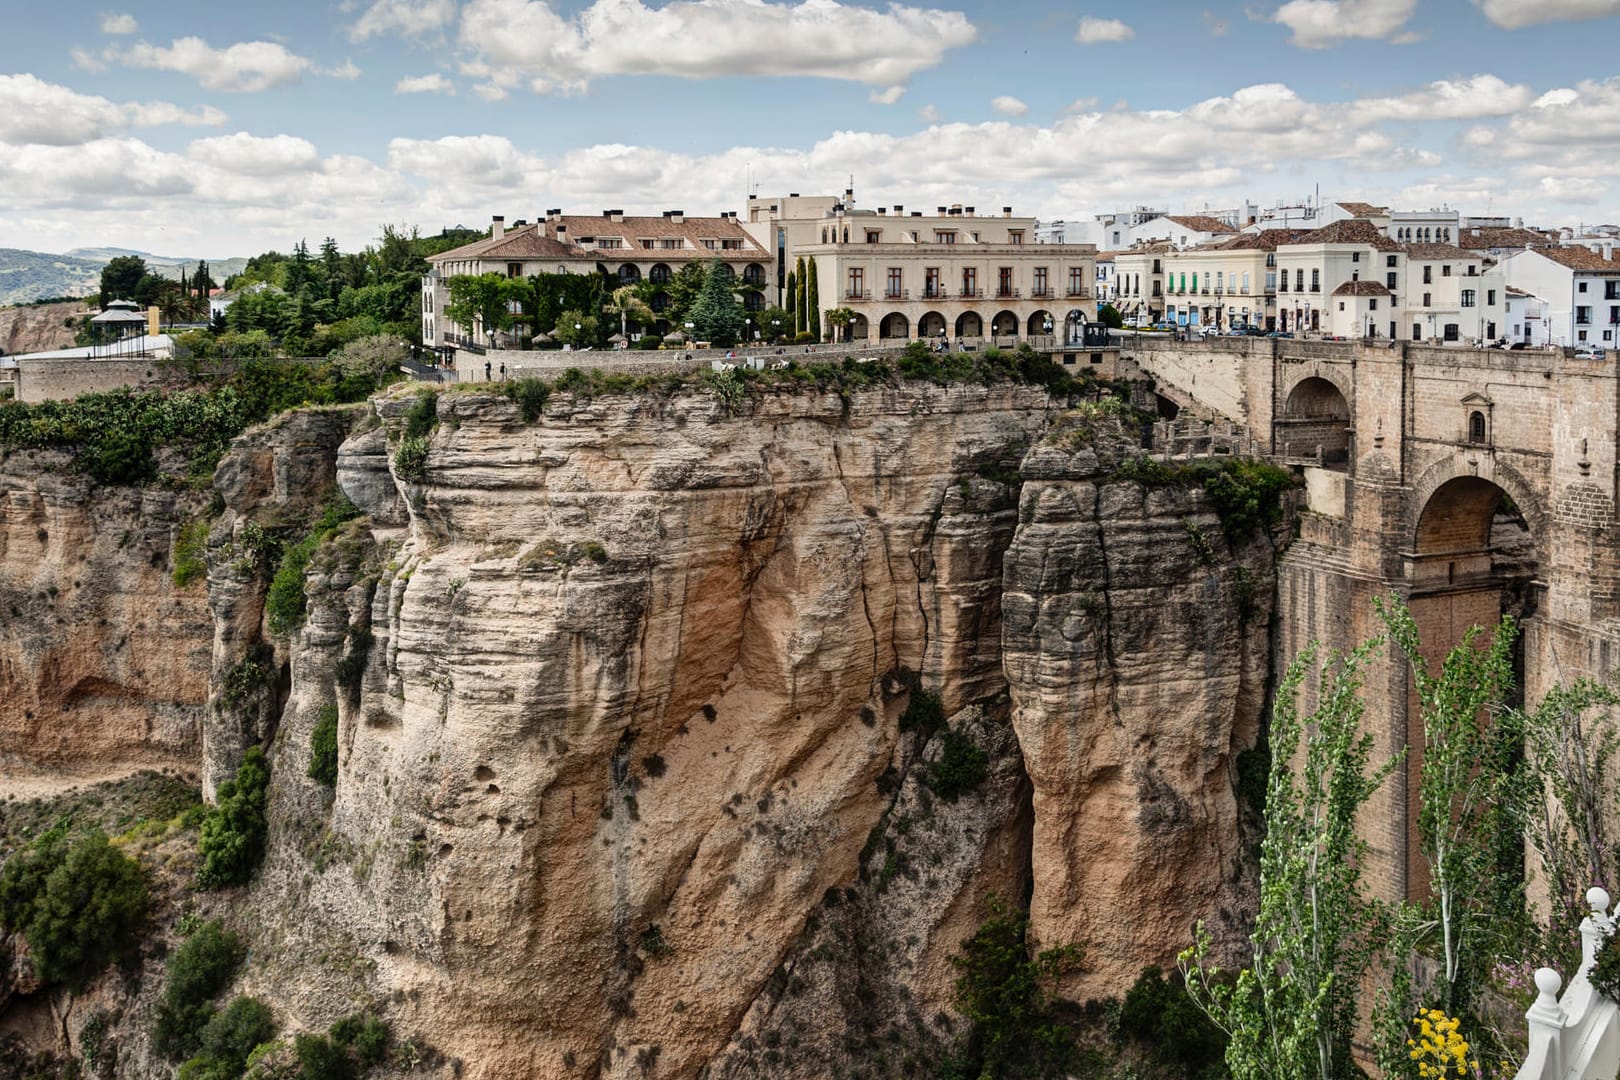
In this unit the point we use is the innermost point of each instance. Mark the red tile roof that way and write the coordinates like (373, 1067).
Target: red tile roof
(1361, 288)
(1364, 210)
(1483, 238)
(1351, 231)
(1202, 222)
(1579, 258)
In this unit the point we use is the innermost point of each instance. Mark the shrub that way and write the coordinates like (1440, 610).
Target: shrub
(352, 1046)
(233, 1034)
(189, 546)
(323, 747)
(530, 395)
(924, 712)
(423, 416)
(200, 968)
(78, 903)
(284, 602)
(321, 1059)
(119, 457)
(1159, 1014)
(231, 840)
(961, 767)
(410, 460)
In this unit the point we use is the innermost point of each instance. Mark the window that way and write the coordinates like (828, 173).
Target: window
(1490, 298)
(1015, 236)
(857, 283)
(1271, 258)
(1428, 274)
(1445, 269)
(1245, 282)
(1611, 290)
(1476, 427)
(1389, 260)
(514, 269)
(1004, 279)
(1468, 296)
(1427, 301)
(874, 235)
(1271, 281)
(1316, 281)
(1355, 256)
(970, 283)
(1040, 281)
(946, 236)
(1372, 303)
(895, 288)
(649, 244)
(710, 244)
(1299, 280)
(731, 245)
(1581, 287)
(1389, 279)
(610, 241)
(669, 243)
(1341, 305)
(1451, 332)
(1077, 280)
(1583, 315)
(1614, 314)
(1284, 286)
(1473, 271)
(931, 285)
(659, 274)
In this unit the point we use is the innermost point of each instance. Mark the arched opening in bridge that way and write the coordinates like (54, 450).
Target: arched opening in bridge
(1474, 560)
(1315, 425)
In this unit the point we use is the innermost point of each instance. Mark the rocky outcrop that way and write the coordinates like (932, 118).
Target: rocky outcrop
(40, 327)
(104, 662)
(1135, 646)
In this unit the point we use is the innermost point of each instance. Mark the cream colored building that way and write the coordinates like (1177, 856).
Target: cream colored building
(1229, 284)
(951, 275)
(1139, 278)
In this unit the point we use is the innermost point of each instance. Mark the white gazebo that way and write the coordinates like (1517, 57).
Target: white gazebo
(119, 330)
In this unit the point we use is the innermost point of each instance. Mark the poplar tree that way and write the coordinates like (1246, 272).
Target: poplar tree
(793, 302)
(813, 304)
(801, 318)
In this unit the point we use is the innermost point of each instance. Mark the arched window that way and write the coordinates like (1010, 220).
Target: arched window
(1476, 427)
(659, 274)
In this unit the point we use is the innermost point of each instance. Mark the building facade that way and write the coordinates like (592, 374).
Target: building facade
(1581, 290)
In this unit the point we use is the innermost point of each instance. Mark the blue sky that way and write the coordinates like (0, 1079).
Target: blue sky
(195, 128)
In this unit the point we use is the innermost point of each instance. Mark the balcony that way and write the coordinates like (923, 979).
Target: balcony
(1081, 293)
(936, 294)
(1009, 294)
(857, 294)
(970, 294)
(897, 294)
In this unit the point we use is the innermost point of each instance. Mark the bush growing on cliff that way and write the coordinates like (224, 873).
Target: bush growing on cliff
(78, 902)
(200, 968)
(1159, 1014)
(189, 565)
(323, 747)
(410, 460)
(232, 838)
(227, 1040)
(961, 768)
(352, 1046)
(924, 712)
(284, 602)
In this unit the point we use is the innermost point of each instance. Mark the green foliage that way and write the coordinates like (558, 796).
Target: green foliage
(924, 712)
(410, 459)
(801, 300)
(352, 1046)
(1159, 1014)
(189, 548)
(120, 278)
(961, 768)
(1292, 1011)
(323, 747)
(1109, 316)
(422, 419)
(812, 304)
(1605, 973)
(284, 602)
(230, 1037)
(716, 314)
(1245, 492)
(554, 295)
(653, 943)
(792, 326)
(1008, 998)
(485, 299)
(530, 395)
(203, 965)
(232, 838)
(77, 901)
(576, 329)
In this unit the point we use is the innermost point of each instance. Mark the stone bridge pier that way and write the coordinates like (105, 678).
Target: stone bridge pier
(1470, 482)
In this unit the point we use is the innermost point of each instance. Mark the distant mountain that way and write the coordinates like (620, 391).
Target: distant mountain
(26, 276)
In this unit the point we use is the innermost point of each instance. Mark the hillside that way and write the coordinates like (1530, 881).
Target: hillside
(38, 327)
(26, 276)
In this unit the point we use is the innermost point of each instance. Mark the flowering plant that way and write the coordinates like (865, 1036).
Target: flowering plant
(1439, 1050)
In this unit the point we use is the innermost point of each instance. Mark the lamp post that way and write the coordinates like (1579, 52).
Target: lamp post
(776, 329)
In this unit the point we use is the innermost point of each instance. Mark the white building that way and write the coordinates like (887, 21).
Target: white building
(1580, 288)
(1526, 317)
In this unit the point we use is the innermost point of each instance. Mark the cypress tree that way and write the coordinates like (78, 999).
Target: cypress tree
(801, 317)
(813, 303)
(793, 302)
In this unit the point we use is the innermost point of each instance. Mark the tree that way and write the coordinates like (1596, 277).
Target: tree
(627, 304)
(77, 903)
(1008, 997)
(840, 318)
(683, 290)
(1465, 805)
(812, 304)
(202, 282)
(576, 329)
(716, 314)
(1292, 1009)
(1110, 317)
(232, 838)
(774, 323)
(120, 277)
(484, 300)
(801, 314)
(793, 303)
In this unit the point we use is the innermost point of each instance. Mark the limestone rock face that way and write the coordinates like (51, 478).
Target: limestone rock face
(634, 677)
(103, 661)
(1135, 647)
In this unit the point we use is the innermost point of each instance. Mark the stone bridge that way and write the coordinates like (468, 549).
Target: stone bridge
(1470, 482)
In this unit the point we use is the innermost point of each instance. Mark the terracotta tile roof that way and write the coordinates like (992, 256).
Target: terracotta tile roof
(633, 230)
(1438, 251)
(521, 243)
(1202, 222)
(1264, 240)
(1361, 288)
(1483, 238)
(1363, 210)
(1108, 256)
(1579, 258)
(1514, 290)
(1352, 231)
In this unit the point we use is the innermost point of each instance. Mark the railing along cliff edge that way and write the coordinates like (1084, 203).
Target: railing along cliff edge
(1577, 1036)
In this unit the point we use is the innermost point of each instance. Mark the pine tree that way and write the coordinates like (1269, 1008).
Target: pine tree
(812, 304)
(793, 302)
(717, 315)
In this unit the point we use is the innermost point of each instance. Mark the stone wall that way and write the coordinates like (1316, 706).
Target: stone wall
(50, 380)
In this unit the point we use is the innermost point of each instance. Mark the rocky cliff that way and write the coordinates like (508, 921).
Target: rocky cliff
(647, 710)
(39, 327)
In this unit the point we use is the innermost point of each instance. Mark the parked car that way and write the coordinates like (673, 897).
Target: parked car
(1518, 345)
(1588, 352)
(1281, 333)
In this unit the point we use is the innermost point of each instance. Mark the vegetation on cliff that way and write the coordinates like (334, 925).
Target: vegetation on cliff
(78, 902)
(234, 833)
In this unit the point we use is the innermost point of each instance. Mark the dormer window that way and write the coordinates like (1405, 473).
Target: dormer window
(874, 236)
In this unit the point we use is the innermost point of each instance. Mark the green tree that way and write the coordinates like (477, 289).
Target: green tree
(683, 289)
(1292, 1010)
(1110, 317)
(78, 902)
(812, 304)
(202, 282)
(483, 301)
(716, 314)
(801, 312)
(792, 325)
(120, 277)
(576, 329)
(627, 304)
(840, 318)
(232, 837)
(1008, 998)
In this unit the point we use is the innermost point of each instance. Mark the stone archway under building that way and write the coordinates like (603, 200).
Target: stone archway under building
(1315, 424)
(969, 324)
(1005, 324)
(931, 325)
(894, 325)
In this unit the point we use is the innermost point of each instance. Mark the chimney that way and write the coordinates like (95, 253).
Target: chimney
(899, 209)
(614, 215)
(562, 233)
(883, 211)
(968, 210)
(1006, 211)
(793, 194)
(497, 227)
(942, 210)
(519, 223)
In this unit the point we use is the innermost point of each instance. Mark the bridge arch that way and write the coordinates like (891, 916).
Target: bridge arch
(1315, 423)
(1523, 497)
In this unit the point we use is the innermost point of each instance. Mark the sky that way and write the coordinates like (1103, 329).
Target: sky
(205, 129)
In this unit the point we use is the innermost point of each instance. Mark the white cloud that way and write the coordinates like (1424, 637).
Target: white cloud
(1094, 31)
(929, 114)
(1007, 105)
(118, 24)
(346, 70)
(247, 66)
(1465, 99)
(85, 60)
(1319, 24)
(886, 97)
(491, 92)
(425, 84)
(253, 155)
(409, 17)
(46, 114)
(1514, 14)
(525, 42)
